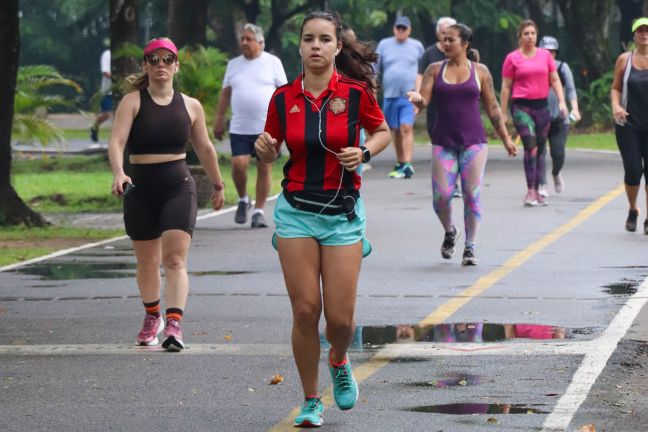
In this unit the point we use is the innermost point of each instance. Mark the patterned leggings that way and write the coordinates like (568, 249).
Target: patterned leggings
(447, 165)
(532, 121)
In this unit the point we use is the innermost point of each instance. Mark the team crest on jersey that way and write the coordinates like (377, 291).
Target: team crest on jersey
(338, 105)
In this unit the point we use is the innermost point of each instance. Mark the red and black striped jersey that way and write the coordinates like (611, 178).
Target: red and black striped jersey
(297, 117)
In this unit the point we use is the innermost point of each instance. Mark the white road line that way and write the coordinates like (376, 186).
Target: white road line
(390, 352)
(594, 363)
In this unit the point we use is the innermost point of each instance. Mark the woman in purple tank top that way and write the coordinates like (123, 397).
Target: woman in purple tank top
(459, 143)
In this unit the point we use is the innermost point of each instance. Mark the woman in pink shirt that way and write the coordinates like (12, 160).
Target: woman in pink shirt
(527, 74)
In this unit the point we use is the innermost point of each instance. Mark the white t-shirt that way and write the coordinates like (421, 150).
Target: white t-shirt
(106, 83)
(253, 82)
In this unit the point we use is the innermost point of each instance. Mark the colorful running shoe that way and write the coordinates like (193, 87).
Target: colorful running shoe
(153, 325)
(448, 245)
(531, 199)
(408, 170)
(469, 258)
(398, 171)
(310, 414)
(345, 387)
(173, 336)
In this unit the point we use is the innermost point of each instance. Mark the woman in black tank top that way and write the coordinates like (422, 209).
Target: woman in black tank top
(629, 97)
(156, 123)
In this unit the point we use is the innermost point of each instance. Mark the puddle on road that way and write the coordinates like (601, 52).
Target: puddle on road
(76, 270)
(626, 287)
(477, 408)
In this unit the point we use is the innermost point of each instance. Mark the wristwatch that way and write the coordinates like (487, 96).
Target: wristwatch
(366, 154)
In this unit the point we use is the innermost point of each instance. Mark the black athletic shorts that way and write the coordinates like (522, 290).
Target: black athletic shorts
(164, 198)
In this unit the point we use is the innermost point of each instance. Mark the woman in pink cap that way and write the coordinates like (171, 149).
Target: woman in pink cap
(155, 123)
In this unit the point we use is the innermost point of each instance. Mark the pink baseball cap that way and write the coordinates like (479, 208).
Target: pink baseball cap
(160, 43)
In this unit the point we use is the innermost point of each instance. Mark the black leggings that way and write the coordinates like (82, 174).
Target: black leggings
(633, 145)
(164, 198)
(558, 131)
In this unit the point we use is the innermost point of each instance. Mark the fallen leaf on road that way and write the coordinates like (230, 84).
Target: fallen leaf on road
(228, 337)
(277, 379)
(463, 382)
(491, 420)
(587, 428)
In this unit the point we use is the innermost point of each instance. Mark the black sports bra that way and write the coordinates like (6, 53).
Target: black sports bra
(160, 129)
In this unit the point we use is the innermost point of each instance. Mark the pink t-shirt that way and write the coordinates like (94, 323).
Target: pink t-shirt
(530, 75)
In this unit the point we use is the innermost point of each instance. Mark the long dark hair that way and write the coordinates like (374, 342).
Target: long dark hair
(465, 34)
(356, 58)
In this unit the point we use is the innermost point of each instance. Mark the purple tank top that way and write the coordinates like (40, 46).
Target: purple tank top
(458, 118)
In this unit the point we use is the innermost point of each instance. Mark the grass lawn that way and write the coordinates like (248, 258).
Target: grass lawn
(20, 243)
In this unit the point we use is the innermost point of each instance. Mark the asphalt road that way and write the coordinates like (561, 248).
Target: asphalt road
(430, 352)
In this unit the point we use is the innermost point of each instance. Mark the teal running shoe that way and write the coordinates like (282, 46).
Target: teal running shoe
(345, 387)
(310, 414)
(408, 170)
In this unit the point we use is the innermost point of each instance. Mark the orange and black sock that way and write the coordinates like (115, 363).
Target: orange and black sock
(153, 308)
(174, 314)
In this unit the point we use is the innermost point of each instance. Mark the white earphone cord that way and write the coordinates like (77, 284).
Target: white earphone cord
(319, 137)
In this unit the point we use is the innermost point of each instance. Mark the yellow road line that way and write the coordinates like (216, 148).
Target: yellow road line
(444, 311)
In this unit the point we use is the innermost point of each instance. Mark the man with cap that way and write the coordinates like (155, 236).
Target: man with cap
(106, 102)
(559, 127)
(398, 59)
(249, 82)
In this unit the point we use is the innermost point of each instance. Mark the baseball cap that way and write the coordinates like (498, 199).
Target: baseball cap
(160, 43)
(549, 43)
(402, 21)
(643, 21)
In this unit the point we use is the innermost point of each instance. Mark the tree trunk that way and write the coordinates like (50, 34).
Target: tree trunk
(251, 9)
(188, 23)
(587, 24)
(280, 13)
(123, 29)
(13, 211)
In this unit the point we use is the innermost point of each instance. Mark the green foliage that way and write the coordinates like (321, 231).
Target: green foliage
(33, 100)
(201, 75)
(594, 102)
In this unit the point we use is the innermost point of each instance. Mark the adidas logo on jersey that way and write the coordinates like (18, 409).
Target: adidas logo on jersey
(294, 109)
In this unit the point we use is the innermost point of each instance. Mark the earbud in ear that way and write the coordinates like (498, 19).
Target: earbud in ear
(337, 52)
(300, 51)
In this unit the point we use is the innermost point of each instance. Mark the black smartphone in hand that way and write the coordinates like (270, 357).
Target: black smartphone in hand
(127, 188)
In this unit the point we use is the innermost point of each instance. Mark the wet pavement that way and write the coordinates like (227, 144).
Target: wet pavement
(526, 340)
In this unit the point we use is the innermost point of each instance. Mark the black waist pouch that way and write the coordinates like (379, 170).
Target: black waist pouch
(343, 203)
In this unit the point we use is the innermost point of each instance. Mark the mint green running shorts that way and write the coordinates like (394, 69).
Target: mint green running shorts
(328, 230)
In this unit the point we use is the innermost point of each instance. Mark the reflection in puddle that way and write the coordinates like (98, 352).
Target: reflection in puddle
(626, 287)
(78, 270)
(375, 337)
(472, 408)
(74, 270)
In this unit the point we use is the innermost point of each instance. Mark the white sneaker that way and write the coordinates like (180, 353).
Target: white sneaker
(559, 183)
(543, 190)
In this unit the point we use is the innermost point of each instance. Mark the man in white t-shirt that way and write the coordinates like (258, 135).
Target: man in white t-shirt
(250, 80)
(106, 102)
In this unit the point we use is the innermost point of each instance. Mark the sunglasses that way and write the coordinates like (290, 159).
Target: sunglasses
(401, 28)
(154, 59)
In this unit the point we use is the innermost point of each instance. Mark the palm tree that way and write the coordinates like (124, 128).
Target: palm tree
(28, 124)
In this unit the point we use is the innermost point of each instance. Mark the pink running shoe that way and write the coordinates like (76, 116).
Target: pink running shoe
(531, 199)
(150, 329)
(173, 336)
(542, 201)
